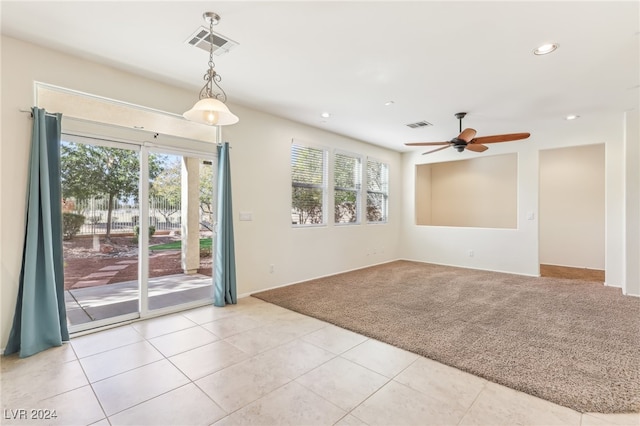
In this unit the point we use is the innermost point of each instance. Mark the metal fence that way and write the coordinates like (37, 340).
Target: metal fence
(164, 215)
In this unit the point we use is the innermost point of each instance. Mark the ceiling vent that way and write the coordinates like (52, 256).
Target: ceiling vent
(221, 44)
(419, 124)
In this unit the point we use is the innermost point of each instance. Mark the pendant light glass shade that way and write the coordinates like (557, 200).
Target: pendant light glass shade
(212, 112)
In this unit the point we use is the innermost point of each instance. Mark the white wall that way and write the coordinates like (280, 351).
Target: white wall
(572, 206)
(260, 164)
(517, 250)
(260, 177)
(632, 200)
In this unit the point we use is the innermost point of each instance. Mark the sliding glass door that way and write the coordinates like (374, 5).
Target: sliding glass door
(180, 225)
(138, 225)
(100, 192)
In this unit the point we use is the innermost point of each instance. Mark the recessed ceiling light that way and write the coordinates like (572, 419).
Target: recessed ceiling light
(572, 117)
(325, 115)
(545, 49)
(388, 103)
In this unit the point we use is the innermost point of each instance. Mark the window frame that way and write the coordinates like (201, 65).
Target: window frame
(323, 186)
(385, 194)
(358, 191)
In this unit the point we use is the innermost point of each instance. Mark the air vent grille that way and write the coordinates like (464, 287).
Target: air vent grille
(221, 44)
(419, 124)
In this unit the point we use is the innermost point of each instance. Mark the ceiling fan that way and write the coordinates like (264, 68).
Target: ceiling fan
(467, 140)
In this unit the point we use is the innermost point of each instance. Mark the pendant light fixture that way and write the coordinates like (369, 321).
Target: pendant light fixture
(210, 109)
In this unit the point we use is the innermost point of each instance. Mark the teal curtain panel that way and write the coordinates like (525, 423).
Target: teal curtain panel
(225, 262)
(40, 320)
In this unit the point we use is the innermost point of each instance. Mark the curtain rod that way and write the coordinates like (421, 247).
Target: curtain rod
(111, 140)
(51, 114)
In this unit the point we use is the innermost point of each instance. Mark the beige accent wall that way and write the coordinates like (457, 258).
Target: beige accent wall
(478, 192)
(572, 206)
(423, 194)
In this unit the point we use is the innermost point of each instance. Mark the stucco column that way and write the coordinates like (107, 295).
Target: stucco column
(190, 215)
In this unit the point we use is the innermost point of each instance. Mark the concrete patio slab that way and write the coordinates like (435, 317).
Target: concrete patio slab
(91, 283)
(111, 300)
(114, 268)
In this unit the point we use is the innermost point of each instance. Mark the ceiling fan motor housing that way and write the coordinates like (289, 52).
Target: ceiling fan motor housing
(458, 144)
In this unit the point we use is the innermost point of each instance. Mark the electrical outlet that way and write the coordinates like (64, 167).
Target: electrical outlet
(471, 253)
(272, 269)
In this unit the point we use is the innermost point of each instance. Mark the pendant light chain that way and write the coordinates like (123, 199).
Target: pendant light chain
(211, 76)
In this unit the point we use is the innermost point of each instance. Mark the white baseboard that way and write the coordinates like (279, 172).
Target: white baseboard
(476, 268)
(321, 276)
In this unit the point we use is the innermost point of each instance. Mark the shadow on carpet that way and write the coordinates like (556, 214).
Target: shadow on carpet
(575, 343)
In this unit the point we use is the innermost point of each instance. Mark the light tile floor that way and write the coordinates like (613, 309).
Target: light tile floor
(257, 364)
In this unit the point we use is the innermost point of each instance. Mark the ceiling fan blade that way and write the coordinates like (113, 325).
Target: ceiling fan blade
(475, 147)
(467, 135)
(426, 143)
(501, 138)
(435, 150)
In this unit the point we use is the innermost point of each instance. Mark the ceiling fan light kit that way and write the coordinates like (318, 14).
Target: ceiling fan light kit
(210, 108)
(467, 139)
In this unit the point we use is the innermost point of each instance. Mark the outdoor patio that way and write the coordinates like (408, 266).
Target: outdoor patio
(106, 301)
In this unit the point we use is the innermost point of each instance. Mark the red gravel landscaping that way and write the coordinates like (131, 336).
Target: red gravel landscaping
(81, 260)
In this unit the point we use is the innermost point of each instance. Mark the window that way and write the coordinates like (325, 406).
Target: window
(308, 185)
(347, 181)
(377, 191)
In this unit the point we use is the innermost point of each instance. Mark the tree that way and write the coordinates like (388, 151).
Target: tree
(93, 171)
(167, 188)
(377, 187)
(308, 182)
(346, 176)
(206, 194)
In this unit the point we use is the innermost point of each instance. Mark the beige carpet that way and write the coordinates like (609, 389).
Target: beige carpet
(571, 342)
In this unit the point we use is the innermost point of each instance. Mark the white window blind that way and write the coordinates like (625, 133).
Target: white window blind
(308, 185)
(347, 177)
(377, 191)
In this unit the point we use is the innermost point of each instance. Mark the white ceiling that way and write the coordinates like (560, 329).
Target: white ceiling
(297, 59)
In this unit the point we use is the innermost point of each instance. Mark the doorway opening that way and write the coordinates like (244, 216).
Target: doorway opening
(572, 212)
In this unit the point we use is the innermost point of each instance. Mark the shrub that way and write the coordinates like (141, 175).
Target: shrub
(94, 220)
(71, 224)
(136, 231)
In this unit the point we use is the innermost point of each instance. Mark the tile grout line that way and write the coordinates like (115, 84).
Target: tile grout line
(91, 385)
(484, 386)
(164, 357)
